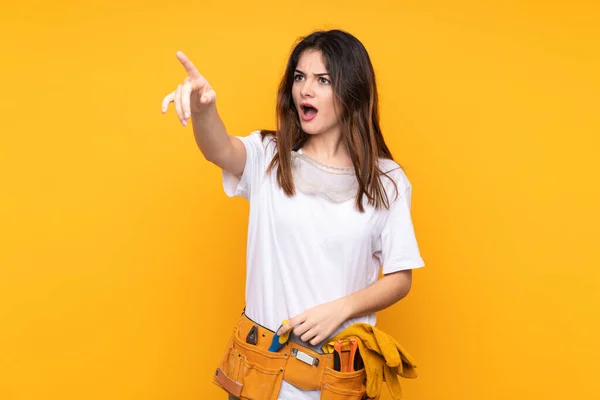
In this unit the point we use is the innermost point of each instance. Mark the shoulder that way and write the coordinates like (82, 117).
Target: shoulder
(268, 138)
(262, 140)
(393, 176)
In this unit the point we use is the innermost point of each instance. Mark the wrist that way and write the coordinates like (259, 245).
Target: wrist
(204, 111)
(347, 307)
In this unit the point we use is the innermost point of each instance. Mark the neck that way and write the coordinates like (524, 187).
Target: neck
(328, 149)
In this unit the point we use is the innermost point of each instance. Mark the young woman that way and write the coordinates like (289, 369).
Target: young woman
(329, 208)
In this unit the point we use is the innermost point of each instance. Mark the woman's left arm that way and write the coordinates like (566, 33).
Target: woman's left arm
(318, 323)
(380, 295)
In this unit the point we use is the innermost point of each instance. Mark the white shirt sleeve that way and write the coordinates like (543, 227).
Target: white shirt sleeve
(398, 245)
(254, 169)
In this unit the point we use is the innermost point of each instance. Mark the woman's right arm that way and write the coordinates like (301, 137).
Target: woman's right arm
(196, 99)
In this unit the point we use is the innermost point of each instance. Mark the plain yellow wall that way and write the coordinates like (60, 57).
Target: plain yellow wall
(122, 261)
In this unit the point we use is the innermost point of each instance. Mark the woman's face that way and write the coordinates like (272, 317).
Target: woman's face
(313, 95)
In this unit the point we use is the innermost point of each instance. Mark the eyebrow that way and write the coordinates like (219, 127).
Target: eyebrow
(321, 74)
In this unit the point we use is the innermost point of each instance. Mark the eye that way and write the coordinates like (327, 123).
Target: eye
(324, 81)
(297, 77)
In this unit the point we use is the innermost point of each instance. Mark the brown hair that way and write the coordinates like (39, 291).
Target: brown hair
(353, 83)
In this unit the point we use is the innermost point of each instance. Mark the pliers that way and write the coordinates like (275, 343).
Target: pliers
(354, 363)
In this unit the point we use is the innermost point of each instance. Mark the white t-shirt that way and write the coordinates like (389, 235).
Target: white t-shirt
(307, 250)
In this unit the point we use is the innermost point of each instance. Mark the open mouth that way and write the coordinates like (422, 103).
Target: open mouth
(308, 111)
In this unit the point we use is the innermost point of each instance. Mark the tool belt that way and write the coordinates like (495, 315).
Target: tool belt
(248, 370)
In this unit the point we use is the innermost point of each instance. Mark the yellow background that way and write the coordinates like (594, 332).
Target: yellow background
(122, 261)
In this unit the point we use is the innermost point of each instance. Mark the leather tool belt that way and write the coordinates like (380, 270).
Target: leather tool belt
(249, 371)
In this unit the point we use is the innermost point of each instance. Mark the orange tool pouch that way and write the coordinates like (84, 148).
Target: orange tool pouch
(251, 371)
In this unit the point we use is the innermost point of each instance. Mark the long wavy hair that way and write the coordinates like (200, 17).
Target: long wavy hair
(353, 83)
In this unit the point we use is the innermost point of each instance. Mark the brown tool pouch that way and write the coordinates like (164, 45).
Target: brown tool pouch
(251, 371)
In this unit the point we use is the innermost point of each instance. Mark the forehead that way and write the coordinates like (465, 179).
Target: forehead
(311, 61)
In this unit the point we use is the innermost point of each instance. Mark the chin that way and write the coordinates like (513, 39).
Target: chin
(310, 130)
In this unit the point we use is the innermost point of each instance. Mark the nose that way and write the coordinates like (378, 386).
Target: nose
(307, 90)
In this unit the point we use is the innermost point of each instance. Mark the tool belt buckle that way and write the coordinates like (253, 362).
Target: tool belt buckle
(305, 358)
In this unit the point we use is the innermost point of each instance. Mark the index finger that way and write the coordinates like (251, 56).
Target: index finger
(189, 66)
(291, 324)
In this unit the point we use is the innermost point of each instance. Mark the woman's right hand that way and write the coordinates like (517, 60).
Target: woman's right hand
(194, 95)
